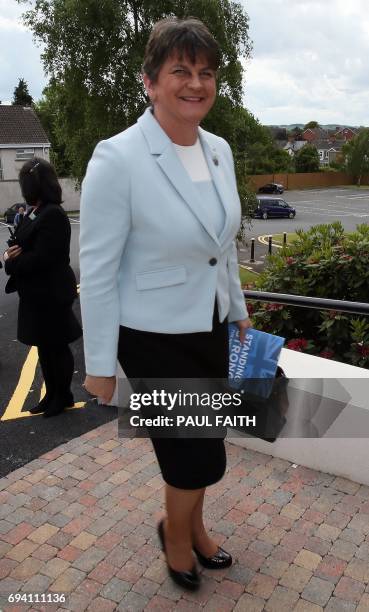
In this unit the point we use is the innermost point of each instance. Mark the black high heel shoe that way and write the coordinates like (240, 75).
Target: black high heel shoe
(58, 405)
(41, 406)
(220, 560)
(188, 579)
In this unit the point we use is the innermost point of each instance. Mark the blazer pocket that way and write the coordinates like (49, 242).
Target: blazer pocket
(165, 277)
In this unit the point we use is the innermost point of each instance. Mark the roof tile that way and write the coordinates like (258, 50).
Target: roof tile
(20, 125)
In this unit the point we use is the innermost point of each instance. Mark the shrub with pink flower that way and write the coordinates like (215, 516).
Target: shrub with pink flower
(274, 307)
(322, 262)
(297, 344)
(290, 261)
(363, 350)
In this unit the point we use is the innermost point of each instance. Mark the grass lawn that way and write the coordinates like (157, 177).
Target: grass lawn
(278, 238)
(247, 276)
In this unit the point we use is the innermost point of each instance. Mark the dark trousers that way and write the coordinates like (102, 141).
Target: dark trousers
(57, 365)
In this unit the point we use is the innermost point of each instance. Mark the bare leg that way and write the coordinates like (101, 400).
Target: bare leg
(177, 527)
(200, 539)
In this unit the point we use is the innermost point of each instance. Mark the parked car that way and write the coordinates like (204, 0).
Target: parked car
(273, 207)
(272, 188)
(10, 212)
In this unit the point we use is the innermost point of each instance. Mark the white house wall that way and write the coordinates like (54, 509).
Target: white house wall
(10, 194)
(10, 166)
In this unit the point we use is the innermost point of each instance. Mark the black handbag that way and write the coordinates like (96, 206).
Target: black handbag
(267, 412)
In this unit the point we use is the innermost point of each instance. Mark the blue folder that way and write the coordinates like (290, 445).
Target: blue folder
(253, 364)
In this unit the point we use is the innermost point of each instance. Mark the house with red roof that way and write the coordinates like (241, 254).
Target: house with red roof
(22, 137)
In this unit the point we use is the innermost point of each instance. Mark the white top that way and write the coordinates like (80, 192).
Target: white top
(194, 162)
(193, 159)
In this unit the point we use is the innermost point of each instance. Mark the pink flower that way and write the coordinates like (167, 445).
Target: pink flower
(297, 344)
(290, 261)
(363, 350)
(274, 307)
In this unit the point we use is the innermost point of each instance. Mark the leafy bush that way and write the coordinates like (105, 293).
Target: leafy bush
(322, 262)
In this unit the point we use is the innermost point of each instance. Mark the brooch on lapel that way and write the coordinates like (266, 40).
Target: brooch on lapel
(214, 156)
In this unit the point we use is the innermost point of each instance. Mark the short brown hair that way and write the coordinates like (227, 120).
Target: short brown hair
(187, 37)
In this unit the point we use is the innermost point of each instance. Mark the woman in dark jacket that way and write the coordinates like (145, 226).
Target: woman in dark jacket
(38, 265)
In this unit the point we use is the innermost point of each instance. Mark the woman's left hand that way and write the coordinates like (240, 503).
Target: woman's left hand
(242, 327)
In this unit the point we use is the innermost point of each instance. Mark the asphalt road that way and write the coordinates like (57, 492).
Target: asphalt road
(24, 437)
(313, 206)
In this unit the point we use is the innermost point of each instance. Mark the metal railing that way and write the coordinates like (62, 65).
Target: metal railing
(303, 301)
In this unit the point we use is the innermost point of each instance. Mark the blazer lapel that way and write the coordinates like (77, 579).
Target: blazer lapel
(177, 175)
(213, 159)
(161, 146)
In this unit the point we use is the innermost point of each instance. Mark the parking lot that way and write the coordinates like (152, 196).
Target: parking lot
(350, 206)
(23, 436)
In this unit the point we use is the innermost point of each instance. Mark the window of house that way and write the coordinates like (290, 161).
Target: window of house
(24, 154)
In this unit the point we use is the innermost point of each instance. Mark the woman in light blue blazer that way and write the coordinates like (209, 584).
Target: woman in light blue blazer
(159, 274)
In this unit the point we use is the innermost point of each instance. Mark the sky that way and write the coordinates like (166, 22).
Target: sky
(309, 60)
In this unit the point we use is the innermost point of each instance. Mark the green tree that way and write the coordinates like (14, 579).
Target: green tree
(47, 110)
(311, 125)
(266, 158)
(307, 159)
(93, 51)
(21, 95)
(356, 152)
(296, 133)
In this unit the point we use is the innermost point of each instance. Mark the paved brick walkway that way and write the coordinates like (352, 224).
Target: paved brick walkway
(81, 520)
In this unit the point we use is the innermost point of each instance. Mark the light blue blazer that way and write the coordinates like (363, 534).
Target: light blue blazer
(147, 247)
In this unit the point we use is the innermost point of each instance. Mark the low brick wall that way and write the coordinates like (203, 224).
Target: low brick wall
(303, 180)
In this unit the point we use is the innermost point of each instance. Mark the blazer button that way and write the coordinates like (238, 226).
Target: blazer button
(213, 261)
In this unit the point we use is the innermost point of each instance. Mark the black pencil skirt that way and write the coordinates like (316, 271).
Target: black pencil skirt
(185, 463)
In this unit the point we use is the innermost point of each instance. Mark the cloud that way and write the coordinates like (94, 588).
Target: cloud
(19, 56)
(308, 61)
(8, 24)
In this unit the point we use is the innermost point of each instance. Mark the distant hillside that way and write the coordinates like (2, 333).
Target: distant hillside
(330, 126)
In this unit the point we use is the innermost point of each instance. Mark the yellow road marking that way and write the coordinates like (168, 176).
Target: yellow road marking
(249, 268)
(264, 240)
(14, 408)
(43, 391)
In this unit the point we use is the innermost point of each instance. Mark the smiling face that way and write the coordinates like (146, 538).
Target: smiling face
(182, 94)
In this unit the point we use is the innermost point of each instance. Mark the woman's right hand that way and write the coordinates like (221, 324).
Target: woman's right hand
(102, 387)
(12, 252)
